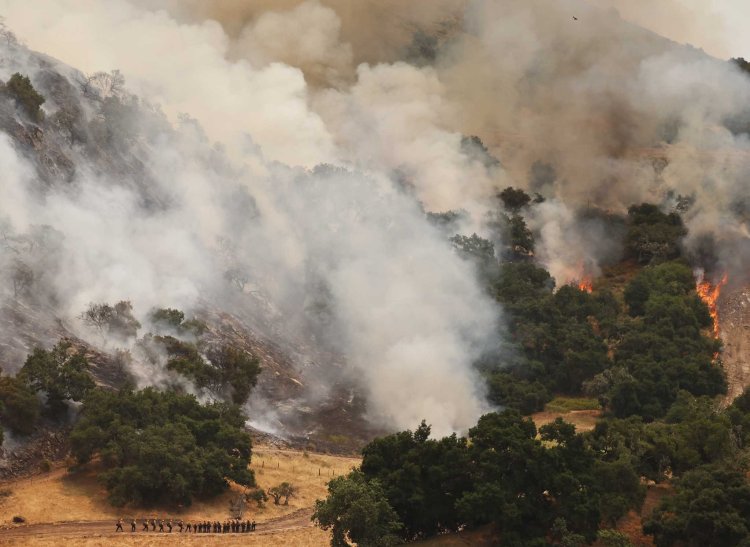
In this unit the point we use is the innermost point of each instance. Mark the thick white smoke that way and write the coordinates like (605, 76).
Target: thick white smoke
(405, 309)
(619, 114)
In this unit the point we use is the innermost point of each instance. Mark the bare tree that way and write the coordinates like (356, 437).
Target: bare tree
(101, 85)
(98, 316)
(237, 277)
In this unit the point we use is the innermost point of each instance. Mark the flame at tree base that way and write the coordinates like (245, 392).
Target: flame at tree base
(710, 293)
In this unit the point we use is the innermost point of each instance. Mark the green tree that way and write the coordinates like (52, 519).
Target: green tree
(20, 88)
(514, 199)
(238, 369)
(20, 406)
(422, 478)
(613, 538)
(710, 508)
(357, 510)
(117, 320)
(653, 236)
(62, 373)
(162, 446)
(284, 490)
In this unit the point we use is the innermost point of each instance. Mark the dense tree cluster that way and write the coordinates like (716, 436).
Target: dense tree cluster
(503, 473)
(552, 484)
(162, 446)
(662, 350)
(558, 337)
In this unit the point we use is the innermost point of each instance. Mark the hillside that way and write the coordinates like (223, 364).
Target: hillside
(441, 271)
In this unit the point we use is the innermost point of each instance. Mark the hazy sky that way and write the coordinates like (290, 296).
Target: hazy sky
(720, 27)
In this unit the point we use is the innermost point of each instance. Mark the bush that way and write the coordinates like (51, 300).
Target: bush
(257, 495)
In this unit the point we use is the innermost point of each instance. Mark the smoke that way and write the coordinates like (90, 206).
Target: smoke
(386, 92)
(349, 243)
(686, 21)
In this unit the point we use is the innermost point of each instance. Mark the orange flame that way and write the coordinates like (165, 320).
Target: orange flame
(586, 285)
(710, 293)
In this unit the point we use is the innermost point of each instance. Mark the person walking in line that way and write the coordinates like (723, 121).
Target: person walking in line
(180, 525)
(145, 525)
(169, 525)
(118, 528)
(153, 525)
(253, 525)
(132, 526)
(161, 525)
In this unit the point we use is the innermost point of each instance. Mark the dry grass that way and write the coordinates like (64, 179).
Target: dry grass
(584, 420)
(59, 496)
(311, 537)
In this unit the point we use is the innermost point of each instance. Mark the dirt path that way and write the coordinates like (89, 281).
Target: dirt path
(734, 321)
(106, 529)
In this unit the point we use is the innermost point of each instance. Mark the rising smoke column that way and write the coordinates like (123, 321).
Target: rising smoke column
(407, 312)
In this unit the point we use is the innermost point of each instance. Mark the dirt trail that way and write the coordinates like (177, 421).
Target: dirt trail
(106, 529)
(734, 322)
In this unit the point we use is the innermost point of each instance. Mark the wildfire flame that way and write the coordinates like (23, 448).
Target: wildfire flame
(586, 285)
(710, 293)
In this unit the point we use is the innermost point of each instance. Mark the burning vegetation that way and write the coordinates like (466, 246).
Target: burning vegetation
(586, 285)
(709, 293)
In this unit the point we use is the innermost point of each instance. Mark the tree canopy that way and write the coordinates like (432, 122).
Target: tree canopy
(162, 446)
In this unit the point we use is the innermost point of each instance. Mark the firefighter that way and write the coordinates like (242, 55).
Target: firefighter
(153, 525)
(145, 525)
(169, 525)
(161, 525)
(118, 528)
(253, 526)
(132, 526)
(181, 525)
